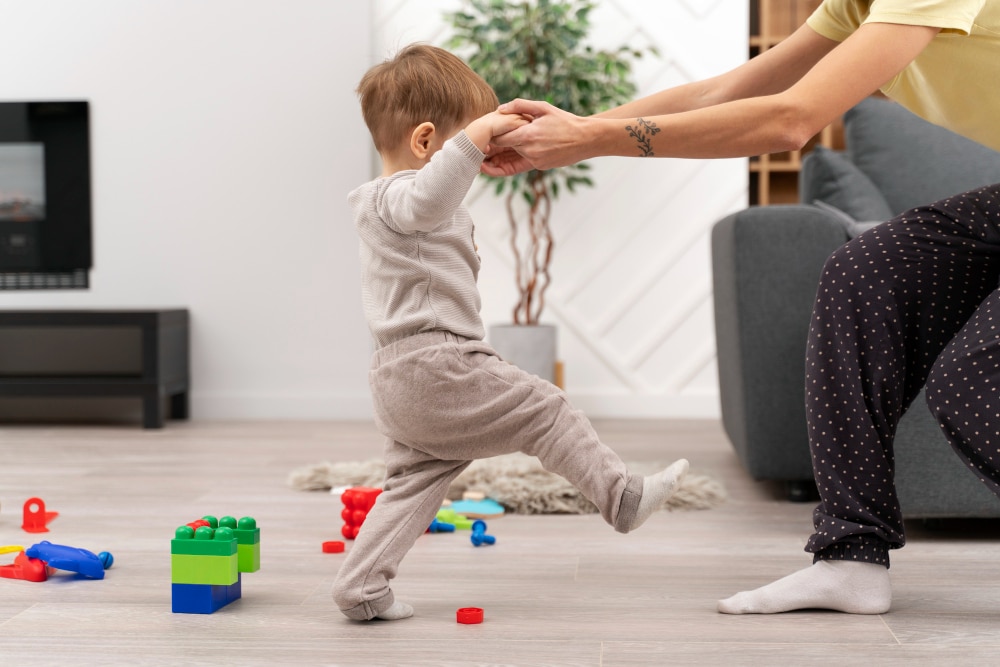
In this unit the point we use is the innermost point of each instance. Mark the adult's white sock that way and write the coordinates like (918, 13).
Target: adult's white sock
(850, 586)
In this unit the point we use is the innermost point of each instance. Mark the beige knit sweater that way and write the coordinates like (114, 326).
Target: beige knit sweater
(419, 263)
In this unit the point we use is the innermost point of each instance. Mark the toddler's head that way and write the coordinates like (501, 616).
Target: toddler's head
(422, 83)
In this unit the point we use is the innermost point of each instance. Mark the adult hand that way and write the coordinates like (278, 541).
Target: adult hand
(504, 162)
(553, 138)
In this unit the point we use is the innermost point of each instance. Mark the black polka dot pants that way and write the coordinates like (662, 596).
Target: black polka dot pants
(911, 302)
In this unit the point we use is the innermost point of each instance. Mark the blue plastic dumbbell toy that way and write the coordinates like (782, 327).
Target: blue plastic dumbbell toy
(441, 527)
(479, 536)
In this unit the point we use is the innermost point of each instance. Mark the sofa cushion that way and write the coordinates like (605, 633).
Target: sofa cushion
(828, 176)
(912, 161)
(851, 226)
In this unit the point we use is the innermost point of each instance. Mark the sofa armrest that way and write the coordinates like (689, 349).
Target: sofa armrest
(766, 264)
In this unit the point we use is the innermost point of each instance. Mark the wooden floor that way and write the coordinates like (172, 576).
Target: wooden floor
(557, 590)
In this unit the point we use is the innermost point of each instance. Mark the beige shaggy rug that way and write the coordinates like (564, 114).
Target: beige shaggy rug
(516, 481)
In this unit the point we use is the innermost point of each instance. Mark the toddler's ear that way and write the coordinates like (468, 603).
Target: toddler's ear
(421, 140)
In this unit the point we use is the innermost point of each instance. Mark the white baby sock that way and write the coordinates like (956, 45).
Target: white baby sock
(656, 489)
(850, 586)
(397, 611)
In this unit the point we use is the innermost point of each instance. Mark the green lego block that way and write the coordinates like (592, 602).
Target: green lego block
(203, 542)
(212, 570)
(249, 557)
(245, 530)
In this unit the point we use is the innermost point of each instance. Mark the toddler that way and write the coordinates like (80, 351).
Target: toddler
(442, 396)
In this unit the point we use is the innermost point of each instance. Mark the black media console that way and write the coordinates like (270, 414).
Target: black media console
(98, 353)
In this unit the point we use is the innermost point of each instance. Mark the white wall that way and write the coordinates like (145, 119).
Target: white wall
(631, 290)
(225, 136)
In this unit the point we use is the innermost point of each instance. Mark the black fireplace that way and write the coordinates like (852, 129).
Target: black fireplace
(45, 212)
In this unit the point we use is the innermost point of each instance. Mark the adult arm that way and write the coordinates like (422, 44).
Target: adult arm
(774, 104)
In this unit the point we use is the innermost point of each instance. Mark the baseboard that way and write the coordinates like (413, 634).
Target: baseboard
(312, 407)
(597, 406)
(615, 406)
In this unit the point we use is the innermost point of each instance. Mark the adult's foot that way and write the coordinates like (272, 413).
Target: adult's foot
(848, 586)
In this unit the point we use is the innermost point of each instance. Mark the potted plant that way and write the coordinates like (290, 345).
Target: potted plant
(536, 49)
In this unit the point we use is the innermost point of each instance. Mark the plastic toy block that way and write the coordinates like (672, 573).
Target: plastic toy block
(479, 536)
(469, 615)
(245, 530)
(333, 547)
(235, 591)
(203, 542)
(460, 521)
(248, 557)
(35, 516)
(358, 501)
(197, 598)
(207, 558)
(248, 538)
(203, 598)
(217, 570)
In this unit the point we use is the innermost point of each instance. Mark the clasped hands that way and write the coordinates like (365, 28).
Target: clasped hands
(550, 139)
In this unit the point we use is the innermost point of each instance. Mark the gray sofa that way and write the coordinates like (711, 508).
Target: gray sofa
(766, 267)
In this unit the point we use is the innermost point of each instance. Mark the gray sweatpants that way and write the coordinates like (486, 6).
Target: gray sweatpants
(442, 401)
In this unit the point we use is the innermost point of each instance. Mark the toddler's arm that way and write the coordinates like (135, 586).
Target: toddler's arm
(482, 130)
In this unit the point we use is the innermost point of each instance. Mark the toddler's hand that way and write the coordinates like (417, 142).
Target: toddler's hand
(482, 130)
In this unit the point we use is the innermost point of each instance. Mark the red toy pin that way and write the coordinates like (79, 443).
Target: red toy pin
(35, 516)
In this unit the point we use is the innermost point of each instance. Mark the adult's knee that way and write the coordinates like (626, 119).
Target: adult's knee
(847, 271)
(960, 405)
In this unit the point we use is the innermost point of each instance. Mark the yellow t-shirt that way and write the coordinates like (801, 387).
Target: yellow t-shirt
(955, 81)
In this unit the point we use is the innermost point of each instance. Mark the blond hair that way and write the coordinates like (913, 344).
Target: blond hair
(421, 83)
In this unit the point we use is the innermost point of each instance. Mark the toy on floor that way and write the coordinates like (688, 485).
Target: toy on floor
(358, 501)
(460, 521)
(207, 560)
(477, 506)
(469, 615)
(333, 547)
(35, 516)
(479, 536)
(25, 568)
(441, 527)
(37, 561)
(72, 559)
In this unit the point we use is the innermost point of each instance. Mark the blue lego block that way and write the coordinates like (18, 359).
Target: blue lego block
(235, 591)
(204, 598)
(197, 598)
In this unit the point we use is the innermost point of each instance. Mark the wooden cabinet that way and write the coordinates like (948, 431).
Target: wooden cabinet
(774, 178)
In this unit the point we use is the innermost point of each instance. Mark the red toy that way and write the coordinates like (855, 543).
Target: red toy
(358, 501)
(24, 567)
(35, 516)
(333, 547)
(469, 615)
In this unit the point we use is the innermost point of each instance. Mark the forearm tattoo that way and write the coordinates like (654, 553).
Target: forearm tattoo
(643, 133)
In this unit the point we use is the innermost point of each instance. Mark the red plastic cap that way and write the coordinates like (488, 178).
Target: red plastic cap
(333, 547)
(469, 615)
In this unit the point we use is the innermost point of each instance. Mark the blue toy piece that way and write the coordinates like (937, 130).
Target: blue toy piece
(62, 557)
(203, 599)
(479, 536)
(441, 527)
